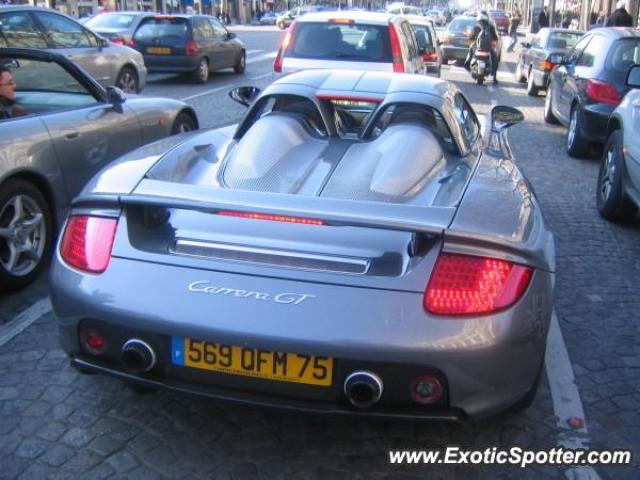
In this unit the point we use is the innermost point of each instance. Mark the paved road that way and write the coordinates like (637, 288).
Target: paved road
(56, 423)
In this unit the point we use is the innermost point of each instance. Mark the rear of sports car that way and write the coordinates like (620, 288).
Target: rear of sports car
(325, 304)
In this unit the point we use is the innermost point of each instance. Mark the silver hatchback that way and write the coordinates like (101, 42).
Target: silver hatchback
(46, 29)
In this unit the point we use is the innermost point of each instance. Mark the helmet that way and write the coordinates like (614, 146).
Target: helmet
(621, 4)
(482, 16)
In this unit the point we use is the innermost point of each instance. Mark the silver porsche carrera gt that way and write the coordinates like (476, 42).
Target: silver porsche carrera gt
(357, 244)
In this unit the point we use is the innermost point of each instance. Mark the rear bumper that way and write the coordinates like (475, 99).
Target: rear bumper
(541, 79)
(454, 53)
(170, 63)
(595, 119)
(486, 364)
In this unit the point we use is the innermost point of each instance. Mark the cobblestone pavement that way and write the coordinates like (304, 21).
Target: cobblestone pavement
(58, 424)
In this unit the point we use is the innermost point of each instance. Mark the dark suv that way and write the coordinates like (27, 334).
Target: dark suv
(196, 44)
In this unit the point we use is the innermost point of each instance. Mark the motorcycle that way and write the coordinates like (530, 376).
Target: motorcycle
(480, 66)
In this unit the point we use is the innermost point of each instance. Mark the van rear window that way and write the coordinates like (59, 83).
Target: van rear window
(341, 41)
(162, 27)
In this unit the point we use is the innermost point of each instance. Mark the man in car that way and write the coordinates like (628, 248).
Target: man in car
(8, 107)
(620, 18)
(484, 35)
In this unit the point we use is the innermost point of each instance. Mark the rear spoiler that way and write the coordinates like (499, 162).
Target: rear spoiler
(336, 212)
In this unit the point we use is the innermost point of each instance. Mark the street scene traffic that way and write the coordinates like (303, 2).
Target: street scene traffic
(255, 240)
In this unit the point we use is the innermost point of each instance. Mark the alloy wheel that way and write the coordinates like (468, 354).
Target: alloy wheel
(128, 82)
(22, 235)
(609, 171)
(571, 133)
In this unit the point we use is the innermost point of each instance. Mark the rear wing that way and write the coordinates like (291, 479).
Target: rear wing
(335, 212)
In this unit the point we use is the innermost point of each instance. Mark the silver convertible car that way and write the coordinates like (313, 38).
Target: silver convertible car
(355, 245)
(69, 128)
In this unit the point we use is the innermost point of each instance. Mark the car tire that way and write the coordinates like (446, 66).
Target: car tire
(183, 123)
(201, 74)
(532, 88)
(241, 63)
(25, 222)
(518, 75)
(549, 117)
(611, 200)
(127, 80)
(281, 25)
(577, 145)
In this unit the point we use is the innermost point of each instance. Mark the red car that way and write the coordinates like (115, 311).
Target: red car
(501, 20)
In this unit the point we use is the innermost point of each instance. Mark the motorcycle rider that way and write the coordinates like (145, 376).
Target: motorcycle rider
(484, 33)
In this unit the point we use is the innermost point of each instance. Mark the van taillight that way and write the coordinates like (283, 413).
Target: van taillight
(470, 285)
(396, 50)
(87, 241)
(191, 49)
(288, 38)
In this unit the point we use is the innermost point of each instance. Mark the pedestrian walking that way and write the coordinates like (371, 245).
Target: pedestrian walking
(620, 18)
(543, 19)
(516, 18)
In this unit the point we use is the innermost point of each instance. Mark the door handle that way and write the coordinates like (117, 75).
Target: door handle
(72, 135)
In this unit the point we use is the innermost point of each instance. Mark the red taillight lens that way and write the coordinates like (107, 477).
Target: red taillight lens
(273, 218)
(545, 65)
(288, 38)
(430, 57)
(464, 285)
(191, 49)
(602, 92)
(396, 51)
(132, 44)
(118, 40)
(87, 241)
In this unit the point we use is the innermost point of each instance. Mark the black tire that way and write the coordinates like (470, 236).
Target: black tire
(611, 199)
(577, 145)
(532, 88)
(549, 117)
(16, 270)
(183, 123)
(201, 74)
(127, 80)
(241, 63)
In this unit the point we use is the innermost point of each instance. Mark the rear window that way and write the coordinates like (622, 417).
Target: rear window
(110, 20)
(623, 54)
(563, 39)
(462, 25)
(164, 27)
(423, 36)
(349, 41)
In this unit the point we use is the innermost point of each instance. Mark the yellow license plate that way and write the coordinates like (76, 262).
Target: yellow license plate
(252, 362)
(159, 50)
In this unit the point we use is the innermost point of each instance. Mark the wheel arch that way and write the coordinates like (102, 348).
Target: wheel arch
(41, 183)
(192, 113)
(614, 124)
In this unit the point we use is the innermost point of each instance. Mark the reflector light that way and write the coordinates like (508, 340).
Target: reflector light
(602, 92)
(396, 51)
(277, 64)
(272, 218)
(87, 241)
(425, 389)
(464, 285)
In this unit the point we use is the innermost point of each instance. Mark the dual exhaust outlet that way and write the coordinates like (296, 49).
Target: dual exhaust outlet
(363, 389)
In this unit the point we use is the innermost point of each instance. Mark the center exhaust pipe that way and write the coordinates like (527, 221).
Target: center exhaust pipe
(363, 389)
(137, 356)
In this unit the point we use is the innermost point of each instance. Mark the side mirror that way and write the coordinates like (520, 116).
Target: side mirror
(633, 76)
(116, 98)
(231, 35)
(244, 95)
(503, 117)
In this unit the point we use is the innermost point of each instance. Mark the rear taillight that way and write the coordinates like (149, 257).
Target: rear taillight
(191, 49)
(602, 92)
(466, 285)
(87, 241)
(430, 57)
(288, 39)
(272, 218)
(396, 51)
(118, 40)
(546, 65)
(132, 44)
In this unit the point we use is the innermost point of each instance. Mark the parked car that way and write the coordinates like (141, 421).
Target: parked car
(350, 40)
(72, 129)
(501, 21)
(538, 57)
(402, 9)
(268, 18)
(372, 259)
(191, 44)
(427, 42)
(457, 39)
(287, 18)
(118, 27)
(46, 29)
(618, 188)
(589, 84)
